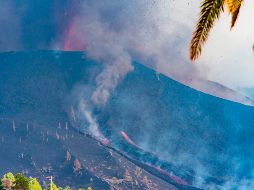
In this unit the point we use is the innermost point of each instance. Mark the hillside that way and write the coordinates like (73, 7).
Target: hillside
(178, 136)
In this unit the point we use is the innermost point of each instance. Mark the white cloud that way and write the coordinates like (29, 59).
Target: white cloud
(157, 33)
(228, 56)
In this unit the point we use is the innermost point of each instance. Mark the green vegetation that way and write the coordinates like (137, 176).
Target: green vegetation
(8, 180)
(2, 186)
(21, 182)
(34, 184)
(210, 12)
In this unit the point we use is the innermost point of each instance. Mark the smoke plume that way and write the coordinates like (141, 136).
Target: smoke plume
(155, 33)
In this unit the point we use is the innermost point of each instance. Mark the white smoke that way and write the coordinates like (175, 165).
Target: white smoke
(244, 184)
(228, 56)
(153, 32)
(115, 33)
(93, 127)
(157, 34)
(106, 46)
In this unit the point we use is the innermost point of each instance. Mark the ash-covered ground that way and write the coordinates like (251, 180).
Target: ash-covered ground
(153, 132)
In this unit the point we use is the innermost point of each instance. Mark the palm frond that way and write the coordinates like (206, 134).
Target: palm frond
(233, 5)
(210, 12)
(234, 8)
(235, 16)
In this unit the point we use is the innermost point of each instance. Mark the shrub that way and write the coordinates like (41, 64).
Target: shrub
(8, 180)
(34, 184)
(21, 182)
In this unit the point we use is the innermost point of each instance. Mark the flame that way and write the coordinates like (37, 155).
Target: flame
(127, 138)
(72, 41)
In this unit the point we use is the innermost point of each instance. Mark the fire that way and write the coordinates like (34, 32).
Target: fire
(127, 138)
(73, 39)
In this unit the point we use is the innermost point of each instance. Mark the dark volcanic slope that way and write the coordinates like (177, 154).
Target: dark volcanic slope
(210, 136)
(191, 138)
(35, 133)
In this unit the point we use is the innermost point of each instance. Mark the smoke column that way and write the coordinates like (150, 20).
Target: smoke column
(92, 123)
(154, 33)
(115, 33)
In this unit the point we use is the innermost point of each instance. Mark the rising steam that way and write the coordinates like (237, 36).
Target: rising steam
(116, 33)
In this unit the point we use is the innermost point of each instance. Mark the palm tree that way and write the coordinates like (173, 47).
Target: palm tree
(210, 12)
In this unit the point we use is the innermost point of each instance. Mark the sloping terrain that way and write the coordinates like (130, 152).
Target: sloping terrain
(161, 134)
(210, 136)
(36, 135)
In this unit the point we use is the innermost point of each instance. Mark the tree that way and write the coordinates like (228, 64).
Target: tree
(54, 187)
(210, 12)
(68, 156)
(2, 186)
(67, 188)
(22, 183)
(77, 165)
(34, 184)
(8, 180)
